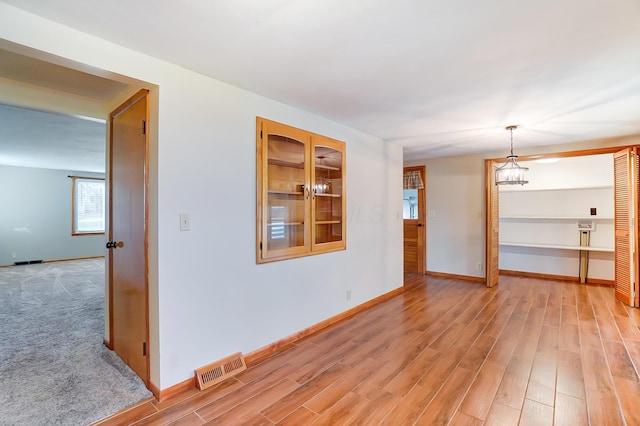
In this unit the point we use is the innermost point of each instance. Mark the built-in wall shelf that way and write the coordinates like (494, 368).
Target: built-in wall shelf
(558, 247)
(541, 229)
(556, 218)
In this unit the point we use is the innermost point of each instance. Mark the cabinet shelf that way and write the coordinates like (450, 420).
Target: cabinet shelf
(558, 247)
(323, 167)
(328, 195)
(286, 163)
(327, 222)
(285, 223)
(273, 191)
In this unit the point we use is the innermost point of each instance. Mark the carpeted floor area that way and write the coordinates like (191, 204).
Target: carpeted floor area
(54, 368)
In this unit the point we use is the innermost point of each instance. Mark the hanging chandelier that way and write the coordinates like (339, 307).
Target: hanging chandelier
(511, 173)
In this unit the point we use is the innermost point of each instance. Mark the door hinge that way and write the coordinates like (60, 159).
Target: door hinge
(260, 245)
(144, 127)
(144, 348)
(260, 134)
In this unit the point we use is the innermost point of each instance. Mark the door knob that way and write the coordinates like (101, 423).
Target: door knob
(114, 245)
(419, 225)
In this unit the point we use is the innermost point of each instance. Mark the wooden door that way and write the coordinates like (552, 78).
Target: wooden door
(625, 221)
(492, 225)
(414, 228)
(127, 232)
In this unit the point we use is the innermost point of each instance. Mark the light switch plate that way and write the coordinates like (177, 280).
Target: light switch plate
(185, 222)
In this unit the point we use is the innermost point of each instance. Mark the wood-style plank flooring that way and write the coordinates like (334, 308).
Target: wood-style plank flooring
(528, 352)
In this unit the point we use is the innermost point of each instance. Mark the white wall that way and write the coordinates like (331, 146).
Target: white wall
(208, 296)
(455, 215)
(35, 218)
(455, 194)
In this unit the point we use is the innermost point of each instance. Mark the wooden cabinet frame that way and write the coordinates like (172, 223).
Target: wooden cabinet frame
(301, 192)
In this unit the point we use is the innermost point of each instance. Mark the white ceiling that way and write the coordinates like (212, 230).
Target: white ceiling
(47, 139)
(40, 139)
(439, 77)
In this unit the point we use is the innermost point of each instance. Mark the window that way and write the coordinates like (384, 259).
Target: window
(88, 205)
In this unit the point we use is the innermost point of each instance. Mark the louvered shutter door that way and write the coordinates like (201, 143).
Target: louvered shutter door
(492, 261)
(636, 208)
(623, 186)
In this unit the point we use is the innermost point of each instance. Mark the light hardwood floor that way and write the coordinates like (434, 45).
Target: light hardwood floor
(528, 352)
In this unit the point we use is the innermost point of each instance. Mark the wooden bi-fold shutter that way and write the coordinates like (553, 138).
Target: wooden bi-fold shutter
(493, 224)
(625, 168)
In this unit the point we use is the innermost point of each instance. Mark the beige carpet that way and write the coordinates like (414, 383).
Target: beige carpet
(54, 368)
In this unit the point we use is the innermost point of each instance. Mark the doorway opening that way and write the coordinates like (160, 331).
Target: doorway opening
(413, 214)
(76, 90)
(561, 227)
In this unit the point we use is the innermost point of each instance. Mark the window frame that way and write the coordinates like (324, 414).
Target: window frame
(75, 180)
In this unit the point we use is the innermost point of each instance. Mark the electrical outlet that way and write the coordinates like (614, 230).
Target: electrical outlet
(13, 255)
(479, 266)
(348, 294)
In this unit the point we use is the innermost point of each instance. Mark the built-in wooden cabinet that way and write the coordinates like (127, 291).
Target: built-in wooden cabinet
(300, 192)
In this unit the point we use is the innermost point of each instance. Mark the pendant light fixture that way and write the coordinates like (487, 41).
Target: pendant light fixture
(511, 173)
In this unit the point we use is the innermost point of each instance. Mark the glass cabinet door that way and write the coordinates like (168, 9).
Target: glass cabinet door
(286, 193)
(328, 194)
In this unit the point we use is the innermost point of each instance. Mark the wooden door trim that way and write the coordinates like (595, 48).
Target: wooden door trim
(564, 154)
(119, 110)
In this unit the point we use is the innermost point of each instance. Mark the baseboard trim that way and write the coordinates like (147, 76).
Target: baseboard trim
(481, 280)
(72, 258)
(59, 260)
(258, 355)
(171, 391)
(110, 420)
(598, 281)
(570, 278)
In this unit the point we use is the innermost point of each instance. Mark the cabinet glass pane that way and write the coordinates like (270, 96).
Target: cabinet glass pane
(327, 188)
(285, 189)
